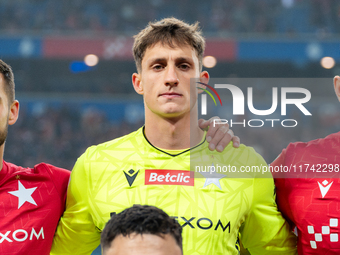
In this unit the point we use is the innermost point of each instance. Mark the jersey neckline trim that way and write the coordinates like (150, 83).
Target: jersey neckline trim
(172, 155)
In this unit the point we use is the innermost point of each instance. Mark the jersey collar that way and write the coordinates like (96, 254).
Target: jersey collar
(173, 154)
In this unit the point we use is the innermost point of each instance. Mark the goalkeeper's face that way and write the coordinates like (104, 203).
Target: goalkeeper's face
(8, 111)
(164, 80)
(146, 244)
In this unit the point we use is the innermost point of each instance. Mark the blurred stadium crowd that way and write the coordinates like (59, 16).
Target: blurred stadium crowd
(60, 135)
(216, 16)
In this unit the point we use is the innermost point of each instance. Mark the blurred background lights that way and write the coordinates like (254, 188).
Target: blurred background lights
(327, 62)
(209, 61)
(79, 67)
(91, 60)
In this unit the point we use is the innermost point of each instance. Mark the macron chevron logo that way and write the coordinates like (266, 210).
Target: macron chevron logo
(324, 187)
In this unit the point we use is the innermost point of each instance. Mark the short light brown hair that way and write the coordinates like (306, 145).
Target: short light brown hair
(171, 32)
(8, 75)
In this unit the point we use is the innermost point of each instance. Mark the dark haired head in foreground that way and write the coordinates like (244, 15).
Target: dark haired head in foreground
(142, 229)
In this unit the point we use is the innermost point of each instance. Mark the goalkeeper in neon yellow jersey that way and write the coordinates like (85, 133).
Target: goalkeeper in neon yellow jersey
(152, 165)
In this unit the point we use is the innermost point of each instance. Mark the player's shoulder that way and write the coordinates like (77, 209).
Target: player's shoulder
(120, 142)
(246, 158)
(253, 168)
(246, 152)
(11, 168)
(40, 172)
(310, 152)
(50, 169)
(246, 148)
(330, 141)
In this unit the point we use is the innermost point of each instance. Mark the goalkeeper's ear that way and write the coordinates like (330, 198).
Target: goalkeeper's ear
(137, 83)
(204, 77)
(337, 86)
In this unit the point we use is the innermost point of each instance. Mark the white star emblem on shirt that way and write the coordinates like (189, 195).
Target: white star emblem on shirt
(213, 178)
(24, 195)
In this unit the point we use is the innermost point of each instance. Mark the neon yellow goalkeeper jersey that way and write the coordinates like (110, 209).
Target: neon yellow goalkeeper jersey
(113, 176)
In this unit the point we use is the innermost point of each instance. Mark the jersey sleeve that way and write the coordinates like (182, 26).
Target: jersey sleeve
(265, 231)
(279, 161)
(60, 178)
(281, 189)
(76, 232)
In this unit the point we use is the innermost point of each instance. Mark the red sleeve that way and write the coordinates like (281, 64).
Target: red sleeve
(60, 178)
(282, 199)
(280, 159)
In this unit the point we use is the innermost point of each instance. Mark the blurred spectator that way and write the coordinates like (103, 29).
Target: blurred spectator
(234, 16)
(62, 133)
